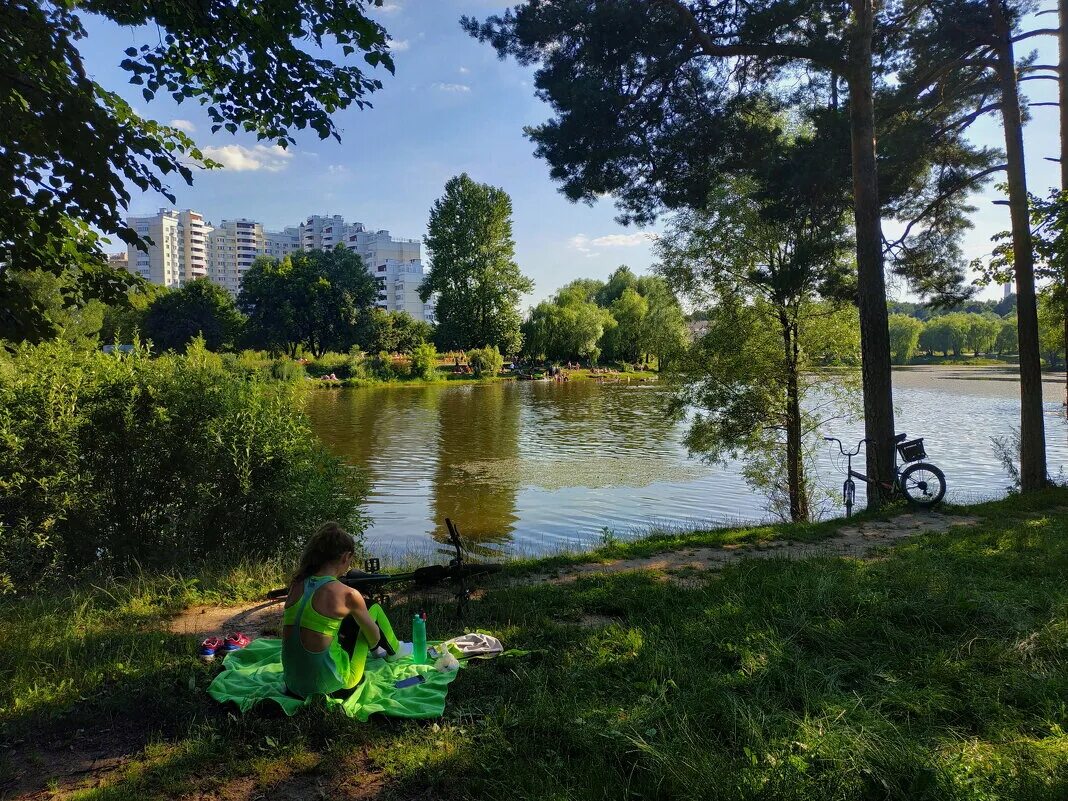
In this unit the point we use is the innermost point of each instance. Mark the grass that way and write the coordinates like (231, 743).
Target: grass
(937, 672)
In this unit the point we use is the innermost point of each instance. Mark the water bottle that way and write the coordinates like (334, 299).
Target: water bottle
(418, 640)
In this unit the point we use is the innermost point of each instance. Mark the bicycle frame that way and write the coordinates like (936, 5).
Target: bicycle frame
(851, 473)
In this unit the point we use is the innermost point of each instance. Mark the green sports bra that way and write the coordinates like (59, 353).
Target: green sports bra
(303, 614)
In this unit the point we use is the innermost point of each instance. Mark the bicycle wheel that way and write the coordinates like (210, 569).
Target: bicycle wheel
(923, 484)
(849, 495)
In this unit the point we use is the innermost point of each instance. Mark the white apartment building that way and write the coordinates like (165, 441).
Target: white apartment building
(178, 253)
(279, 244)
(235, 244)
(320, 232)
(186, 247)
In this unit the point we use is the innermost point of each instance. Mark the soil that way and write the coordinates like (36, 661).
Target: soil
(256, 619)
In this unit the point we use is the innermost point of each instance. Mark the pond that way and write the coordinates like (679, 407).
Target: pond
(531, 468)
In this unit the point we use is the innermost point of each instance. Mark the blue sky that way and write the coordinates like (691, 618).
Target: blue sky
(453, 107)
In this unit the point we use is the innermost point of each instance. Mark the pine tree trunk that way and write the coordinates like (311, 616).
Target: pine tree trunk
(871, 283)
(795, 463)
(1032, 426)
(1062, 97)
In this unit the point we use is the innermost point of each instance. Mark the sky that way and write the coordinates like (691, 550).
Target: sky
(454, 107)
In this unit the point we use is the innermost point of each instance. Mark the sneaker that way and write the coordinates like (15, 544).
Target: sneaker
(236, 641)
(209, 647)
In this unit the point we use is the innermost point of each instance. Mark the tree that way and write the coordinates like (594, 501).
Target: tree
(567, 327)
(423, 361)
(765, 251)
(654, 101)
(1007, 340)
(982, 333)
(485, 362)
(70, 148)
(394, 332)
(904, 336)
(665, 331)
(473, 271)
(320, 300)
(198, 309)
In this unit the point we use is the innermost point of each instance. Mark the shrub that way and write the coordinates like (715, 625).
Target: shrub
(111, 459)
(380, 367)
(286, 370)
(423, 362)
(343, 365)
(485, 362)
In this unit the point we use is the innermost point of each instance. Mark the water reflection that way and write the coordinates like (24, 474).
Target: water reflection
(531, 467)
(477, 433)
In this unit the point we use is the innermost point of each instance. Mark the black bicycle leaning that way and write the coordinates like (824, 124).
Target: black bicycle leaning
(369, 581)
(919, 482)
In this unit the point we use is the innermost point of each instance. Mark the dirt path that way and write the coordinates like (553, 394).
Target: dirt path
(256, 619)
(853, 541)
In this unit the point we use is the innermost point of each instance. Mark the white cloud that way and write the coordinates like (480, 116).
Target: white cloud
(239, 158)
(399, 45)
(464, 70)
(339, 170)
(387, 8)
(452, 87)
(589, 247)
(183, 125)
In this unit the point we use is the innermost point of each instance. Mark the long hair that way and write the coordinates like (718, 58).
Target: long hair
(328, 543)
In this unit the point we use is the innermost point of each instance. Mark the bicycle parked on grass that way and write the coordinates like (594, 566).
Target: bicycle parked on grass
(919, 482)
(370, 583)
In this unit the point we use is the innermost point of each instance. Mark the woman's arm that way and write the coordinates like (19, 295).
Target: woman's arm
(358, 609)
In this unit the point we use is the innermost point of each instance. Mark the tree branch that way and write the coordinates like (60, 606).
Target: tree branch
(713, 50)
(942, 198)
(1039, 32)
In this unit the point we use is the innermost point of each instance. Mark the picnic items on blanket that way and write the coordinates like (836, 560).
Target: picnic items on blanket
(254, 673)
(419, 638)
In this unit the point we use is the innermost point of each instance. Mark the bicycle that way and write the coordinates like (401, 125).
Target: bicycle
(921, 483)
(369, 581)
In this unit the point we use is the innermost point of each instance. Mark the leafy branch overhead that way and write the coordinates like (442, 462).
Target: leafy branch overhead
(71, 149)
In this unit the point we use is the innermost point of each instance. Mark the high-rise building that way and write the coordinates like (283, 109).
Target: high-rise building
(186, 247)
(178, 253)
(319, 232)
(235, 244)
(279, 244)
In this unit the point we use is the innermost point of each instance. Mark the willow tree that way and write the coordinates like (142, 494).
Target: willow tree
(654, 102)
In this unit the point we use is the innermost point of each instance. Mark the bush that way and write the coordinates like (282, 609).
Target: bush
(286, 370)
(379, 367)
(111, 459)
(423, 362)
(343, 365)
(485, 362)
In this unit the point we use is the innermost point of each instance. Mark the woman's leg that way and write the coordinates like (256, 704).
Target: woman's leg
(361, 647)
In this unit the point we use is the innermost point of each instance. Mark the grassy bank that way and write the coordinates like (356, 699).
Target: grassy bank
(939, 671)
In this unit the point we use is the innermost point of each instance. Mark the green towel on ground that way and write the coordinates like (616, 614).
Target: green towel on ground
(254, 673)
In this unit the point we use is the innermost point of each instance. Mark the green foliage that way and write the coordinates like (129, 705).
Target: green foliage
(475, 277)
(123, 321)
(423, 362)
(342, 365)
(379, 367)
(110, 459)
(319, 300)
(1008, 340)
(70, 149)
(981, 333)
(199, 309)
(904, 337)
(394, 332)
(485, 362)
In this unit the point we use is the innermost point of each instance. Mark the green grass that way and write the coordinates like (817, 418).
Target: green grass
(937, 672)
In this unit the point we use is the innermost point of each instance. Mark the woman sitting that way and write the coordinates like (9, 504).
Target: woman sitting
(327, 629)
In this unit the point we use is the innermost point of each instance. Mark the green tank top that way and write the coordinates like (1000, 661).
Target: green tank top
(312, 672)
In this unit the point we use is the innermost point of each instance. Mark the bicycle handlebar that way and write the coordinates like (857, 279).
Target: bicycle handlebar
(841, 447)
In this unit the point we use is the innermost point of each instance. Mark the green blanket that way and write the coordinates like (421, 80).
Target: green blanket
(255, 673)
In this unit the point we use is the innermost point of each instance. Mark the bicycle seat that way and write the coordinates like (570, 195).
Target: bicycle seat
(900, 438)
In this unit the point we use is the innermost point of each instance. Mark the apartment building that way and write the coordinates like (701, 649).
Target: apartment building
(186, 247)
(235, 244)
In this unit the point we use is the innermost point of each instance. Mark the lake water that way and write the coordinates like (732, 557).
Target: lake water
(534, 467)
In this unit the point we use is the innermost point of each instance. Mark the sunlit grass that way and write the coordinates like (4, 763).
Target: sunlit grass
(939, 672)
